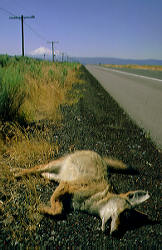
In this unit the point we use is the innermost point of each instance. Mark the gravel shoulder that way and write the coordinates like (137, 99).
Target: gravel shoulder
(96, 122)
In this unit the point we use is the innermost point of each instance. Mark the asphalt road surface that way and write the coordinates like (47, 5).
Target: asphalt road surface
(140, 97)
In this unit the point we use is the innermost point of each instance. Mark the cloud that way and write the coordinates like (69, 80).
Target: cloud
(57, 52)
(41, 51)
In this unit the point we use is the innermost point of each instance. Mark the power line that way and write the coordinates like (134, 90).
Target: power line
(29, 27)
(35, 32)
(22, 27)
(13, 16)
(7, 11)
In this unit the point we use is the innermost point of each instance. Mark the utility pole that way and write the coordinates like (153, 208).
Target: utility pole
(53, 49)
(22, 27)
(62, 57)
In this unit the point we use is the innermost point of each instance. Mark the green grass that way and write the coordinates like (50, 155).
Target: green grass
(91, 120)
(31, 93)
(32, 90)
(12, 93)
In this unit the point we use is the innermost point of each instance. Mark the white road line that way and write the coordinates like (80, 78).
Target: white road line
(126, 73)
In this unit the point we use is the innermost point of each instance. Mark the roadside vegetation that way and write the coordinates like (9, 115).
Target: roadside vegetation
(31, 92)
(135, 66)
(47, 110)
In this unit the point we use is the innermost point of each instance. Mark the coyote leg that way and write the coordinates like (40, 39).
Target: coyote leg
(56, 203)
(115, 223)
(51, 166)
(56, 209)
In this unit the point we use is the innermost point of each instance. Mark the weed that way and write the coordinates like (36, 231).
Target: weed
(12, 93)
(32, 90)
(22, 198)
(31, 93)
(4, 60)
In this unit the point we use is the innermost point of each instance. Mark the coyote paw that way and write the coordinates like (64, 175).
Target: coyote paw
(55, 210)
(14, 170)
(17, 172)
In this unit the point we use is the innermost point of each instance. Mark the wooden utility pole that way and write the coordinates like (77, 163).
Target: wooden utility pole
(62, 57)
(53, 49)
(22, 27)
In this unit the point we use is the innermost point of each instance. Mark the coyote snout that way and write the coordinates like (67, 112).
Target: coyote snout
(85, 176)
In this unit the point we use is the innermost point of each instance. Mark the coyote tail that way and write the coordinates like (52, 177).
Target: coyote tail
(115, 164)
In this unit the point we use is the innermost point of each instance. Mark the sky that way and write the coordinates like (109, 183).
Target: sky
(84, 28)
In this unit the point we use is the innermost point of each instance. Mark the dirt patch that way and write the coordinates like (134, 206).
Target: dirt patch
(97, 123)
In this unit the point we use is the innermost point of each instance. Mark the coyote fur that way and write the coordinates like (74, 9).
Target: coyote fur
(85, 176)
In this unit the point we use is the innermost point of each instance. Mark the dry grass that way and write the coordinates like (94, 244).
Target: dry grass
(44, 95)
(20, 151)
(131, 66)
(24, 147)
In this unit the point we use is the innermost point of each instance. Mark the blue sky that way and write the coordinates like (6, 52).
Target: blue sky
(106, 28)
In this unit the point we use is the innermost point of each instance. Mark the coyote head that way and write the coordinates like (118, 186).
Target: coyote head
(135, 198)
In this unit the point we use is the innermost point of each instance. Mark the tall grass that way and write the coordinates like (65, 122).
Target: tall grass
(30, 91)
(12, 93)
(4, 60)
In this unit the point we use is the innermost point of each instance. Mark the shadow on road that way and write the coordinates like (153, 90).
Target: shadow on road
(131, 220)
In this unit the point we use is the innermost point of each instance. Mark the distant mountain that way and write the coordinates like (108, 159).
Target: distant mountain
(100, 60)
(111, 60)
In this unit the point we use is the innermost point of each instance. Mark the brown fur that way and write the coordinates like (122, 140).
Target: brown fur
(84, 175)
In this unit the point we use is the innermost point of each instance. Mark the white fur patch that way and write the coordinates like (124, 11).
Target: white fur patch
(50, 176)
(108, 209)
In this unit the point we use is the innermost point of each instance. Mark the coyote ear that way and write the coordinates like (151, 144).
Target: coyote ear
(137, 197)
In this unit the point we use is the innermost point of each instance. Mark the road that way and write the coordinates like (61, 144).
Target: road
(140, 97)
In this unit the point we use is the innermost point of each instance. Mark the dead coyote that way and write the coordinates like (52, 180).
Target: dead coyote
(85, 176)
